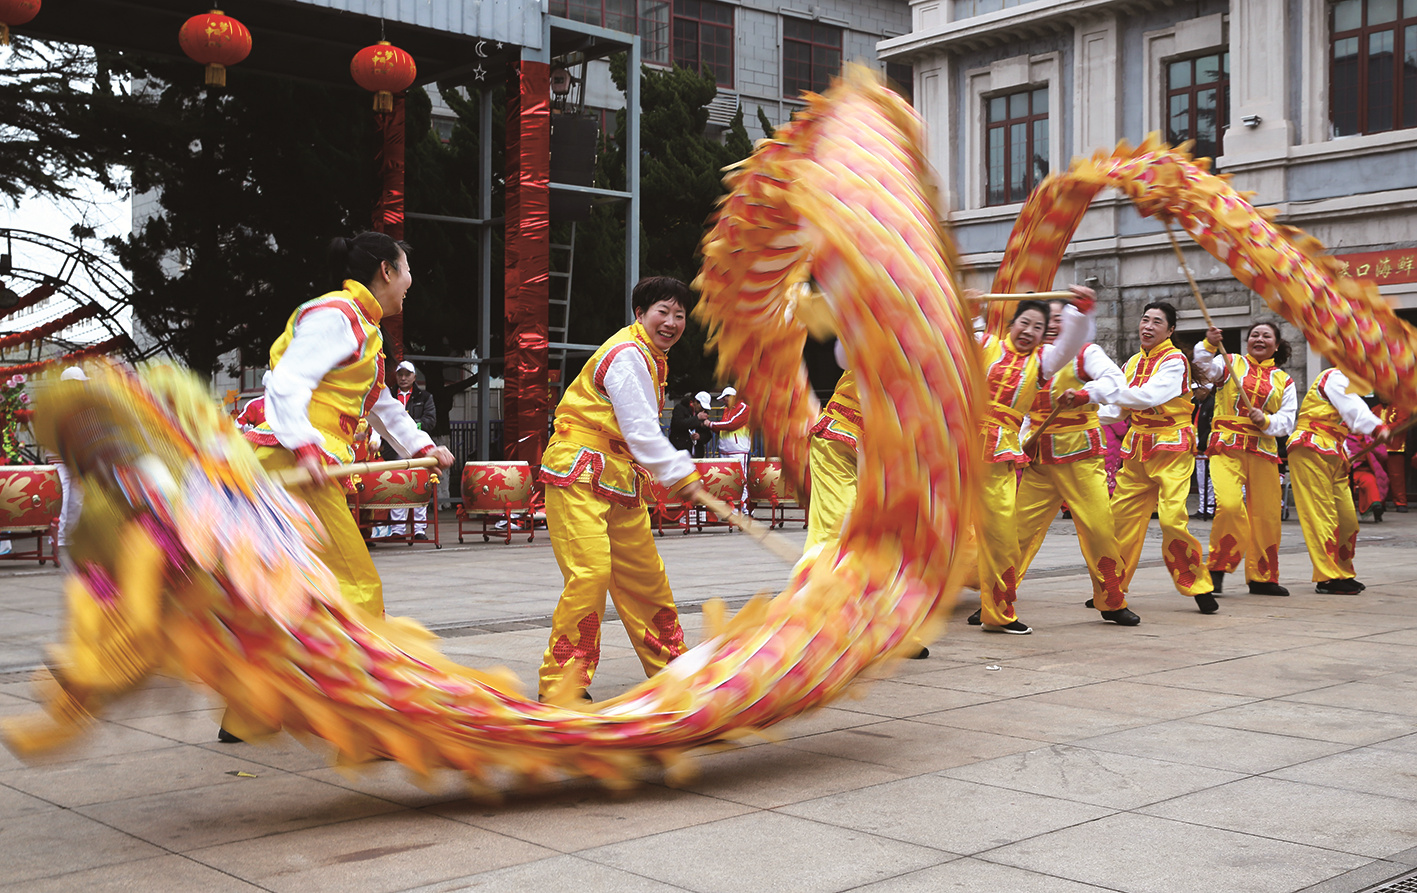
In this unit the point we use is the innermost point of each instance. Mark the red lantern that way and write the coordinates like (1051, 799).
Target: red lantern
(384, 69)
(216, 41)
(15, 12)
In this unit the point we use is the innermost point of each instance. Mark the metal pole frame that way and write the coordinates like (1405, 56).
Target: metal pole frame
(484, 329)
(632, 175)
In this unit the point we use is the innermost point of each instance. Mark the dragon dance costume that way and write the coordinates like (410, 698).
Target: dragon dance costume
(607, 442)
(1011, 379)
(1319, 471)
(1070, 466)
(832, 459)
(1158, 456)
(1244, 462)
(327, 373)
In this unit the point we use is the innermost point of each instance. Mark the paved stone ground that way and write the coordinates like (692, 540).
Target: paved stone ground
(1271, 747)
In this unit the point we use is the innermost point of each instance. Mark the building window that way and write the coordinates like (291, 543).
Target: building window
(811, 56)
(1198, 102)
(902, 80)
(1373, 73)
(1016, 148)
(703, 38)
(647, 18)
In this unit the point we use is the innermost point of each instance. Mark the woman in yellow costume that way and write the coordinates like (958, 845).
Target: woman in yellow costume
(327, 375)
(1318, 470)
(1068, 464)
(607, 441)
(1158, 455)
(1244, 454)
(1014, 364)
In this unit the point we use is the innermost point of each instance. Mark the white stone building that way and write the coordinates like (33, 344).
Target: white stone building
(1310, 103)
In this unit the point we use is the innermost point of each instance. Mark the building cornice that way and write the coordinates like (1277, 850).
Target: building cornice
(1037, 19)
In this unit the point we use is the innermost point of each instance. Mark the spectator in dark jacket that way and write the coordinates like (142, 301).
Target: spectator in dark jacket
(687, 430)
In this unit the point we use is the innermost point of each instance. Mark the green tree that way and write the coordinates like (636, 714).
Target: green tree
(681, 180)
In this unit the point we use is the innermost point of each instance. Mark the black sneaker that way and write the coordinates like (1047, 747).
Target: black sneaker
(1015, 628)
(226, 737)
(1088, 604)
(1121, 617)
(1378, 512)
(1401, 509)
(1347, 586)
(921, 654)
(1206, 602)
(423, 537)
(1258, 588)
(974, 618)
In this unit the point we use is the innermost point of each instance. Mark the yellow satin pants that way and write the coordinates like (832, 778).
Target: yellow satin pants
(997, 530)
(1326, 512)
(1159, 484)
(342, 550)
(1083, 486)
(833, 466)
(604, 546)
(1247, 515)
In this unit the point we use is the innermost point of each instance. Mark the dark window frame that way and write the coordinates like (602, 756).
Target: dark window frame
(819, 75)
(692, 13)
(1351, 106)
(1005, 125)
(594, 12)
(1192, 91)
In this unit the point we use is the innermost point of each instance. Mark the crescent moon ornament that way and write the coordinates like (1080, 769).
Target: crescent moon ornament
(481, 53)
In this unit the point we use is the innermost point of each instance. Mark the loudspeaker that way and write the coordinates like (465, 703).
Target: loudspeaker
(573, 144)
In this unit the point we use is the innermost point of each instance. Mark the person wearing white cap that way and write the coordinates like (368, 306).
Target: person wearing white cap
(735, 438)
(420, 407)
(71, 495)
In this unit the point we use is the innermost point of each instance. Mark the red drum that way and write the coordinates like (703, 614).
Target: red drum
(29, 497)
(493, 491)
(405, 488)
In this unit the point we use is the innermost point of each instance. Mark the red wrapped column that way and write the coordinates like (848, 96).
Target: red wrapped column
(388, 211)
(526, 398)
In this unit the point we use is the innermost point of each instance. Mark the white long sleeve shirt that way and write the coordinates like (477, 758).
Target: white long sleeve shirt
(1351, 408)
(634, 397)
(323, 340)
(1281, 424)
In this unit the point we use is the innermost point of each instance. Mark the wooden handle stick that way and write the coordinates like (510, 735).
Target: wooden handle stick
(774, 543)
(1035, 433)
(295, 477)
(1200, 302)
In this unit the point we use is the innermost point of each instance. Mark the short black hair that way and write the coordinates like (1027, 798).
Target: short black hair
(1040, 306)
(653, 289)
(359, 258)
(1166, 309)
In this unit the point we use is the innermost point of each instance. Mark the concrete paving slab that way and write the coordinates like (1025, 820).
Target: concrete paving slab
(166, 872)
(1084, 775)
(1144, 854)
(394, 852)
(1347, 821)
(764, 851)
(980, 817)
(1196, 744)
(975, 875)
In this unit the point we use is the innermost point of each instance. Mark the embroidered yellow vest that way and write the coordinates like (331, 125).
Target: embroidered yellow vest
(587, 444)
(1231, 429)
(1072, 435)
(349, 391)
(1011, 381)
(841, 417)
(1319, 425)
(1164, 428)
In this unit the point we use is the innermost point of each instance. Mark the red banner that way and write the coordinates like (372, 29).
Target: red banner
(388, 211)
(525, 400)
(1390, 267)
